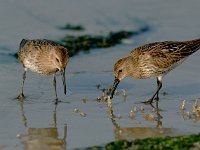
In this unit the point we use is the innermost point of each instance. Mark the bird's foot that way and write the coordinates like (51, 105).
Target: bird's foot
(20, 96)
(150, 101)
(57, 101)
(156, 98)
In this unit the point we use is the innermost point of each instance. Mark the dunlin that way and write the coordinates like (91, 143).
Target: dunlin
(44, 57)
(153, 60)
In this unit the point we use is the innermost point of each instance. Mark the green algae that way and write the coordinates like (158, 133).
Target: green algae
(69, 26)
(165, 143)
(79, 43)
(15, 55)
(76, 44)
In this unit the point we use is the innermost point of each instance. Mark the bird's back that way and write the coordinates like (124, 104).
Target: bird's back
(161, 57)
(185, 47)
(36, 55)
(35, 45)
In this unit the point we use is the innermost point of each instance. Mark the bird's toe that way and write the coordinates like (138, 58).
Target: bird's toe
(147, 101)
(20, 96)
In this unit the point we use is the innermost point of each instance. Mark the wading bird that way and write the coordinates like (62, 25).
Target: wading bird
(153, 60)
(44, 57)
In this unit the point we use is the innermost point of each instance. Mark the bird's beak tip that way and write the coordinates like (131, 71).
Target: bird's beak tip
(116, 82)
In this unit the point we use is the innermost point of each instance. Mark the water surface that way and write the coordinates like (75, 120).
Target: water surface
(36, 121)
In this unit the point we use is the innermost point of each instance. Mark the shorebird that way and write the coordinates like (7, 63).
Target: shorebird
(44, 57)
(153, 60)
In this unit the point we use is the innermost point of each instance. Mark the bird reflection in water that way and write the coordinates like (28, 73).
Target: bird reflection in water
(42, 138)
(131, 133)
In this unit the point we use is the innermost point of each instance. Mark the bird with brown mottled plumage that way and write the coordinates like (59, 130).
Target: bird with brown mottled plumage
(44, 57)
(153, 60)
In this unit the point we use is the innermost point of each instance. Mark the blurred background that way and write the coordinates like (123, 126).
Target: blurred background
(80, 120)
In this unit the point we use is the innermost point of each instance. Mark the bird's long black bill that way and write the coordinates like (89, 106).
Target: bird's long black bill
(63, 80)
(116, 82)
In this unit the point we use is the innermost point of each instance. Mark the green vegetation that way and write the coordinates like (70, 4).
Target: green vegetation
(86, 42)
(72, 27)
(79, 43)
(15, 55)
(166, 143)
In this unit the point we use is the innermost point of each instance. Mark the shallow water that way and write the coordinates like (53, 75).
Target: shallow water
(36, 123)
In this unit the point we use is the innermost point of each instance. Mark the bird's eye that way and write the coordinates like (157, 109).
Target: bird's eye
(57, 60)
(120, 70)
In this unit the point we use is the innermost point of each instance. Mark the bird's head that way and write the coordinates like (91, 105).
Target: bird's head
(61, 57)
(121, 68)
(121, 71)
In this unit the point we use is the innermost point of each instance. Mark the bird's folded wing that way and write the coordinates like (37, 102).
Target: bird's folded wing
(168, 54)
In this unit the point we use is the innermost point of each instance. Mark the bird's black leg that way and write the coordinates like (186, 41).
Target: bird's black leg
(54, 84)
(159, 84)
(21, 95)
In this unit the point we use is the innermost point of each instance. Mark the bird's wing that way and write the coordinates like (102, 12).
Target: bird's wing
(165, 54)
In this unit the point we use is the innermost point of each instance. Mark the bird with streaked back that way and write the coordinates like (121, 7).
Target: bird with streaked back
(153, 60)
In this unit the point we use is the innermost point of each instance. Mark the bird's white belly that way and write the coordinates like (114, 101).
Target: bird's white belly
(31, 65)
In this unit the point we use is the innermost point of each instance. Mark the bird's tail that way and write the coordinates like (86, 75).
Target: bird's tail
(193, 45)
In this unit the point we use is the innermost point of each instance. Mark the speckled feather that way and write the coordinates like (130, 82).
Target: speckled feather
(44, 57)
(37, 55)
(161, 57)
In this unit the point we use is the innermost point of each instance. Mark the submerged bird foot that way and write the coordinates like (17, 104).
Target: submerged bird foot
(150, 101)
(20, 96)
(156, 98)
(57, 101)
